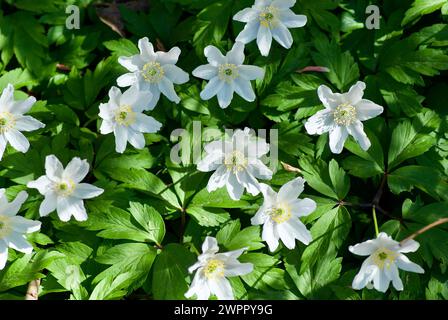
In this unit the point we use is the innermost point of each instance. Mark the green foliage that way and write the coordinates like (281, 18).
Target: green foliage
(147, 228)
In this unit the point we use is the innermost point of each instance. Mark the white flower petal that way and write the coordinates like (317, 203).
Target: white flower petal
(169, 57)
(176, 74)
(146, 124)
(65, 207)
(3, 144)
(270, 196)
(244, 89)
(238, 269)
(139, 100)
(302, 207)
(23, 225)
(121, 138)
(236, 55)
(260, 217)
(129, 63)
(320, 123)
(49, 203)
(86, 191)
(206, 72)
(126, 80)
(3, 254)
(136, 139)
(18, 242)
(225, 95)
(17, 140)
(106, 127)
(409, 246)
(28, 123)
(167, 88)
(7, 98)
(218, 179)
(405, 264)
(365, 248)
(199, 287)
(282, 35)
(292, 20)
(12, 208)
(365, 275)
(291, 190)
(210, 245)
(264, 40)
(248, 72)
(296, 229)
(246, 15)
(249, 182)
(212, 88)
(287, 235)
(329, 99)
(53, 167)
(214, 56)
(366, 109)
(146, 49)
(22, 106)
(234, 188)
(337, 139)
(249, 33)
(259, 170)
(381, 281)
(270, 235)
(283, 4)
(357, 131)
(354, 95)
(76, 170)
(392, 273)
(42, 184)
(221, 287)
(210, 162)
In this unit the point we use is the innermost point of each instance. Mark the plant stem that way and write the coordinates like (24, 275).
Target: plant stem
(424, 229)
(375, 221)
(32, 292)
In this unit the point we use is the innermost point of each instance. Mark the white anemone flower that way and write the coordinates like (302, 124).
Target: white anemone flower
(123, 115)
(227, 74)
(63, 190)
(13, 227)
(268, 19)
(280, 215)
(236, 162)
(13, 121)
(213, 269)
(153, 71)
(385, 258)
(342, 116)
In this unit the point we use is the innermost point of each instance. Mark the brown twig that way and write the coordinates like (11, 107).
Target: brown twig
(424, 229)
(290, 168)
(313, 69)
(32, 293)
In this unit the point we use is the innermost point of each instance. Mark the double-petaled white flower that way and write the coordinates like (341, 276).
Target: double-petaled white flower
(280, 215)
(212, 270)
(342, 116)
(236, 162)
(227, 74)
(12, 121)
(153, 71)
(268, 19)
(13, 227)
(123, 115)
(63, 190)
(385, 258)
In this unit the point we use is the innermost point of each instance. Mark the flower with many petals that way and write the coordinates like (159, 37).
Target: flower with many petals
(385, 258)
(63, 190)
(227, 74)
(268, 19)
(342, 116)
(13, 121)
(236, 162)
(212, 270)
(153, 71)
(280, 215)
(13, 227)
(123, 115)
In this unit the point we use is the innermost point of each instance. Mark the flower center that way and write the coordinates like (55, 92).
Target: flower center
(4, 227)
(280, 214)
(214, 268)
(153, 72)
(384, 257)
(7, 121)
(345, 114)
(236, 161)
(268, 16)
(228, 72)
(65, 188)
(125, 116)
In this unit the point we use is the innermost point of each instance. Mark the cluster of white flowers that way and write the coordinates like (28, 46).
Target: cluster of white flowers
(236, 160)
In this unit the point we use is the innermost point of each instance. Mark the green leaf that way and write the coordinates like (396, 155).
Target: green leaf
(150, 220)
(247, 238)
(170, 271)
(420, 8)
(208, 217)
(316, 175)
(339, 179)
